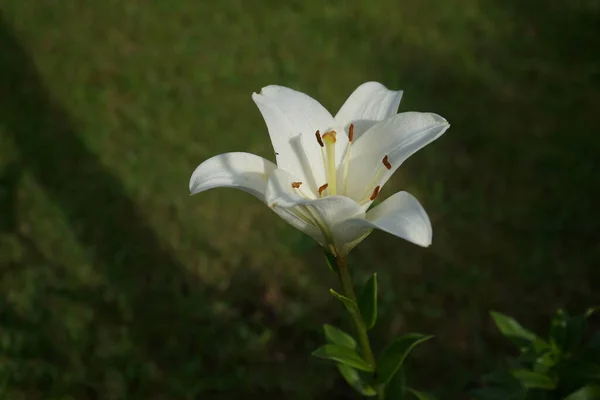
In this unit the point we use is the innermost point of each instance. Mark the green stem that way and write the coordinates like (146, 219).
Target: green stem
(361, 327)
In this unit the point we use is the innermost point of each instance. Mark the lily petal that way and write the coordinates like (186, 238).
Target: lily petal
(314, 216)
(397, 138)
(244, 171)
(401, 215)
(292, 119)
(370, 103)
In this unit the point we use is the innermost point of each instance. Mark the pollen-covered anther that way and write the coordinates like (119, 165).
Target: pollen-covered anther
(351, 133)
(322, 188)
(329, 136)
(319, 140)
(386, 162)
(296, 185)
(375, 193)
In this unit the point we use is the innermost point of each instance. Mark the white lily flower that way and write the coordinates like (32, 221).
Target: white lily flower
(330, 169)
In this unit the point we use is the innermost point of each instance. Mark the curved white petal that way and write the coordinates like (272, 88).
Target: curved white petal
(292, 118)
(401, 215)
(397, 138)
(313, 215)
(370, 103)
(244, 171)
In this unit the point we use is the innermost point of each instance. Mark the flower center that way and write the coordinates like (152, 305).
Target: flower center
(330, 188)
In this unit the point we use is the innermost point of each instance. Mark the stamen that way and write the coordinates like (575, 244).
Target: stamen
(296, 185)
(386, 162)
(375, 193)
(318, 135)
(347, 158)
(322, 188)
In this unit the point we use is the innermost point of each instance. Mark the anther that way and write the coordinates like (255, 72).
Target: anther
(296, 185)
(318, 135)
(322, 188)
(351, 133)
(375, 193)
(386, 162)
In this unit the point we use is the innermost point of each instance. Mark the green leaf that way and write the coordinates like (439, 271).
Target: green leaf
(342, 355)
(394, 354)
(591, 310)
(331, 262)
(533, 380)
(590, 392)
(339, 337)
(353, 378)
(367, 302)
(351, 306)
(558, 329)
(512, 330)
(421, 395)
(396, 388)
(545, 362)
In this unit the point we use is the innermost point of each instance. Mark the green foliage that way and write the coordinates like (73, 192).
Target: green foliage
(511, 329)
(344, 355)
(330, 260)
(356, 382)
(588, 392)
(351, 375)
(561, 366)
(337, 336)
(367, 302)
(394, 354)
(397, 389)
(422, 395)
(350, 305)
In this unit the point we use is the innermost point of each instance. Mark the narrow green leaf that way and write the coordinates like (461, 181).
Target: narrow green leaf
(351, 306)
(367, 302)
(545, 362)
(342, 355)
(331, 263)
(511, 329)
(533, 380)
(396, 388)
(589, 392)
(394, 354)
(339, 337)
(422, 395)
(591, 310)
(353, 378)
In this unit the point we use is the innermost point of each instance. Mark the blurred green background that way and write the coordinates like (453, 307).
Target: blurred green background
(115, 284)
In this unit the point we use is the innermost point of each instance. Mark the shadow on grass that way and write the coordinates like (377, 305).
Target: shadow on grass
(512, 187)
(143, 328)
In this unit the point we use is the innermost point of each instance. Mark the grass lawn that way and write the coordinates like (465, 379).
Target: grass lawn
(116, 284)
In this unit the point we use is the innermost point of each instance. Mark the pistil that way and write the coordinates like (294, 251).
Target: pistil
(329, 140)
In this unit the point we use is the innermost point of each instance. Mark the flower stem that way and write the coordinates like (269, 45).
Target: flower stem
(361, 327)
